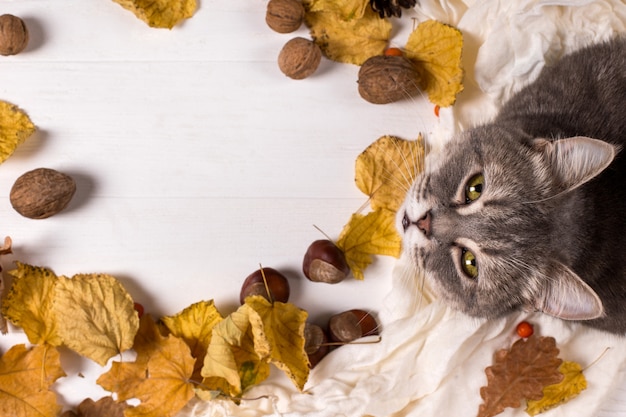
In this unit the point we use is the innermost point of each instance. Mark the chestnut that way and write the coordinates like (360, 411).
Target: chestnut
(325, 262)
(351, 325)
(315, 343)
(258, 282)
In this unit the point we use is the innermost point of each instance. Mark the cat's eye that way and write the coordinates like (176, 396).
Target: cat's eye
(468, 263)
(474, 188)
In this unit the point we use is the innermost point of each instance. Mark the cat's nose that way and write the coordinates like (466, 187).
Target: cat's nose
(424, 224)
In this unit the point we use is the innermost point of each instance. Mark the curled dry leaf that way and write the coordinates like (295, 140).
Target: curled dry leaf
(160, 377)
(347, 31)
(283, 326)
(15, 128)
(195, 326)
(236, 357)
(436, 50)
(553, 395)
(25, 379)
(366, 235)
(386, 169)
(160, 13)
(520, 373)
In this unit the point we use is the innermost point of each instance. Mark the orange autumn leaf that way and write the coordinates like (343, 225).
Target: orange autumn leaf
(367, 235)
(386, 169)
(160, 377)
(25, 379)
(104, 407)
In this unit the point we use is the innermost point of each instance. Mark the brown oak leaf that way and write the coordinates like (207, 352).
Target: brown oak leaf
(520, 373)
(104, 407)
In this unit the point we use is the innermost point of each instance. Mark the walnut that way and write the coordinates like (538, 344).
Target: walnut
(299, 58)
(13, 35)
(284, 16)
(41, 193)
(385, 79)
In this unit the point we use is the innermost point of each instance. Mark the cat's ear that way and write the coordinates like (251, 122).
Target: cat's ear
(576, 160)
(565, 295)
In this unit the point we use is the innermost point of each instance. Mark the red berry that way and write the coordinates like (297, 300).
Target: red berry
(393, 52)
(437, 108)
(524, 329)
(139, 308)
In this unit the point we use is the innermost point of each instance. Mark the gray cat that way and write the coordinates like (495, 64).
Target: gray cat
(528, 211)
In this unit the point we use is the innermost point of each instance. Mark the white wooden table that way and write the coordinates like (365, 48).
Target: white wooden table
(195, 158)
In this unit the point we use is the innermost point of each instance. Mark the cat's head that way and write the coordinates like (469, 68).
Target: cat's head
(482, 222)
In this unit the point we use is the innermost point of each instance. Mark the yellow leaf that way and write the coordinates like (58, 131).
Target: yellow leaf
(195, 326)
(387, 168)
(553, 395)
(15, 128)
(25, 379)
(103, 319)
(160, 13)
(29, 301)
(436, 49)
(349, 41)
(159, 378)
(283, 326)
(344, 9)
(366, 235)
(237, 355)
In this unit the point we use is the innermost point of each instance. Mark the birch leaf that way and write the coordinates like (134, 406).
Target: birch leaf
(367, 235)
(103, 319)
(29, 301)
(15, 128)
(25, 379)
(436, 49)
(387, 168)
(160, 13)
(553, 395)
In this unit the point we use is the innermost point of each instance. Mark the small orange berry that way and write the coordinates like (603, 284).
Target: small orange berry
(525, 329)
(393, 52)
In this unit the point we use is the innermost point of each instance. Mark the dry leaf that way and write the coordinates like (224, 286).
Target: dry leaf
(160, 377)
(25, 379)
(572, 384)
(104, 321)
(349, 40)
(195, 326)
(387, 168)
(104, 407)
(160, 13)
(283, 326)
(15, 128)
(236, 357)
(436, 49)
(344, 9)
(366, 235)
(4, 250)
(28, 303)
(520, 373)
